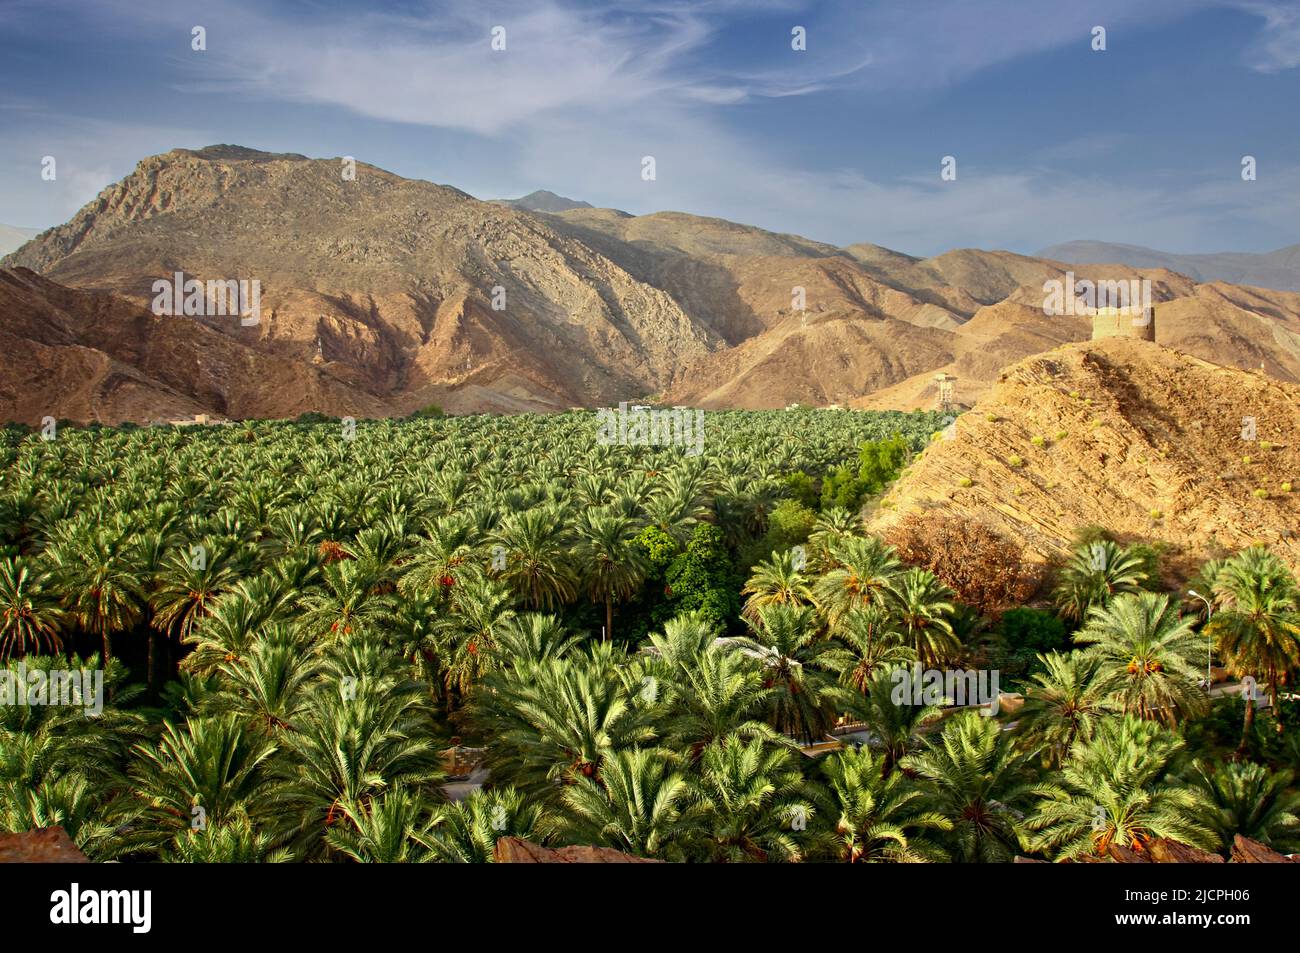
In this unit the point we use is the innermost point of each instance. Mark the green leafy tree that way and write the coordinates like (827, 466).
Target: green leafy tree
(702, 579)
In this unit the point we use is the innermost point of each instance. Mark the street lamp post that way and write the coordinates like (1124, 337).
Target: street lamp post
(1209, 639)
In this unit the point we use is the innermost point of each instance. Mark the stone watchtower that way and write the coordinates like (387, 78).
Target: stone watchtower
(943, 388)
(1139, 322)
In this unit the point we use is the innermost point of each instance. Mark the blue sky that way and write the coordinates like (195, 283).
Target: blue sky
(1141, 143)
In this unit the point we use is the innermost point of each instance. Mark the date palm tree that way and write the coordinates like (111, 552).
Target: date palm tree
(347, 603)
(554, 721)
(1095, 574)
(356, 740)
(199, 772)
(391, 828)
(186, 585)
(468, 633)
(894, 723)
(101, 590)
(1064, 702)
(270, 686)
(1115, 788)
(633, 803)
(776, 581)
(977, 778)
(720, 694)
(870, 641)
(750, 802)
(237, 616)
(531, 637)
(797, 666)
(73, 802)
(862, 572)
(832, 524)
(1149, 656)
(467, 832)
(923, 608)
(684, 639)
(235, 839)
(1258, 628)
(30, 617)
(535, 548)
(613, 564)
(874, 816)
(1249, 800)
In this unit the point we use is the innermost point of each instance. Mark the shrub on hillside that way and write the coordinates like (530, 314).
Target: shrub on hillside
(984, 567)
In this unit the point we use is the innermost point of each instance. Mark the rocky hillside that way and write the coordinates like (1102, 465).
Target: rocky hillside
(95, 356)
(383, 295)
(1125, 434)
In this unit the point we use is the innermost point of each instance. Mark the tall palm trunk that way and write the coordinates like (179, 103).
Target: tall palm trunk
(149, 664)
(609, 618)
(1247, 723)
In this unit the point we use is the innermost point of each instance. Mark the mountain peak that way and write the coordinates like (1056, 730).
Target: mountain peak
(232, 153)
(544, 201)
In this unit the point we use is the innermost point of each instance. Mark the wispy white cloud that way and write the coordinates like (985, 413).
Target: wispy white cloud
(582, 93)
(1278, 46)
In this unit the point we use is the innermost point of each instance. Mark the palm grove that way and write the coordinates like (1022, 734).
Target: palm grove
(296, 622)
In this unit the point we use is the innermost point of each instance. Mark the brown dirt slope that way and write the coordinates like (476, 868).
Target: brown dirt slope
(1134, 436)
(95, 356)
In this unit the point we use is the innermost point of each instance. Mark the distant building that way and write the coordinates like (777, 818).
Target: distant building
(943, 384)
(198, 420)
(1124, 323)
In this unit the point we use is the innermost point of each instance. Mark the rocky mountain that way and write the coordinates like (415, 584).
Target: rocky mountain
(403, 291)
(12, 237)
(1276, 269)
(543, 201)
(1122, 433)
(381, 295)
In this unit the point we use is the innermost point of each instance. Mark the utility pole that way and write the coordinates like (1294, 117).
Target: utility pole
(1209, 639)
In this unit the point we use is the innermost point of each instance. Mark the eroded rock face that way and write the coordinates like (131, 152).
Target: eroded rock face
(1247, 851)
(45, 845)
(515, 850)
(1125, 434)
